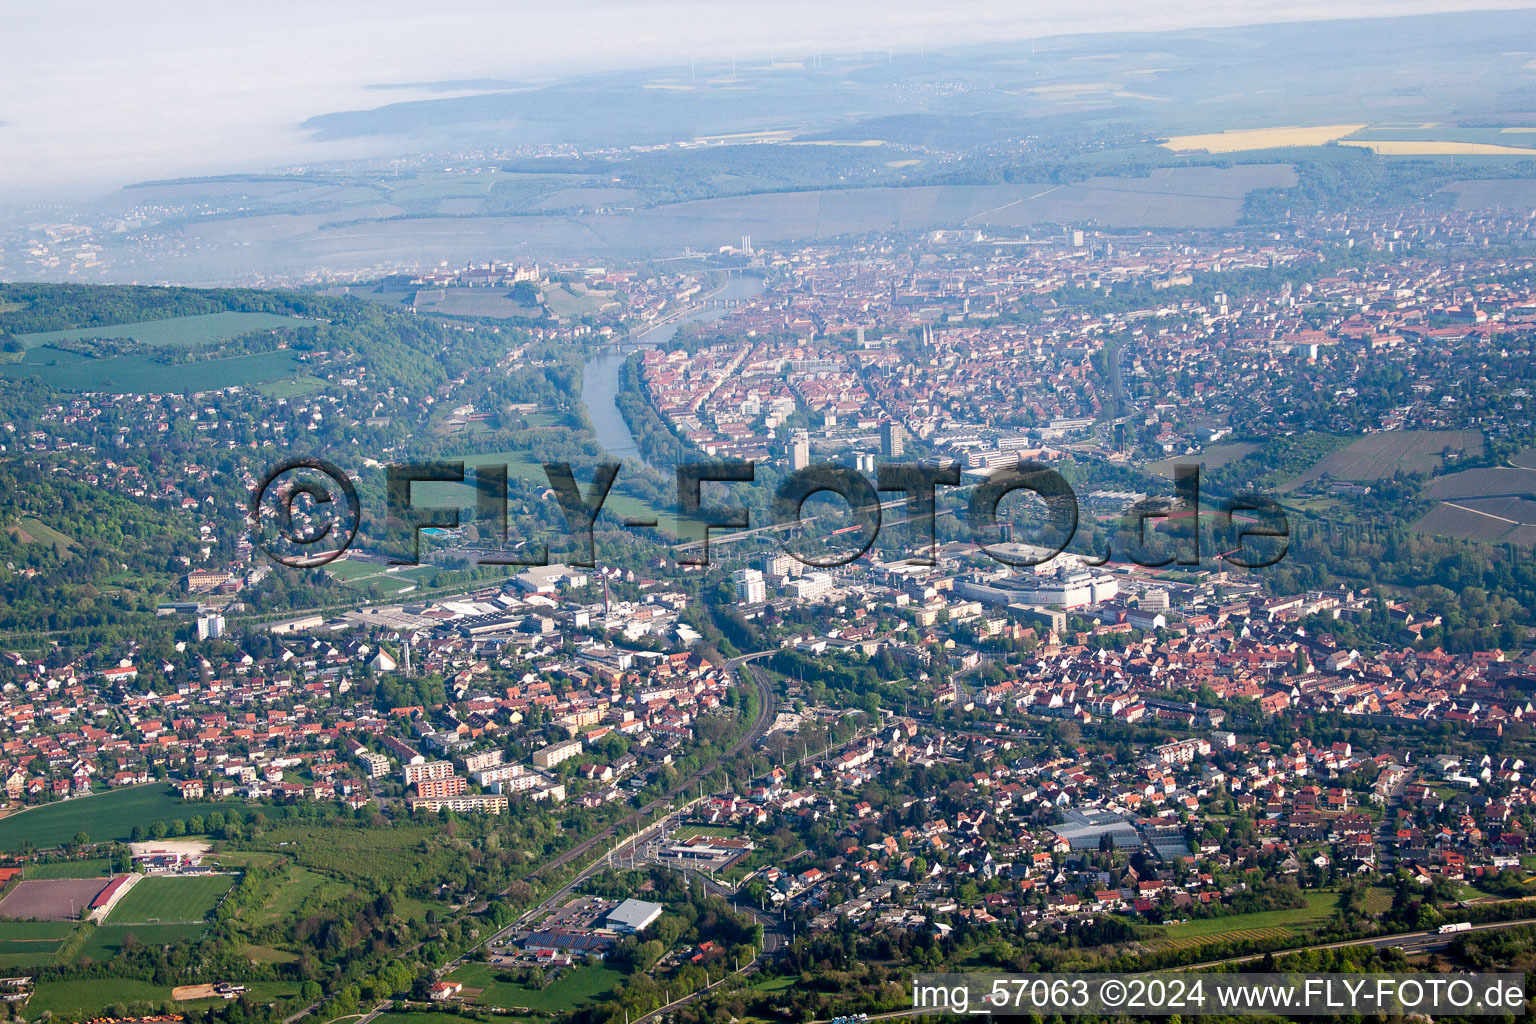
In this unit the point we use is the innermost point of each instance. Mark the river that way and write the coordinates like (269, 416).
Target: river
(600, 375)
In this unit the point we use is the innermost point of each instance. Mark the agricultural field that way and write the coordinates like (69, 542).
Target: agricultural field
(1237, 935)
(479, 302)
(1488, 521)
(1188, 197)
(177, 332)
(1429, 147)
(29, 530)
(564, 301)
(139, 374)
(580, 198)
(170, 899)
(1214, 457)
(1262, 925)
(102, 817)
(1491, 505)
(575, 987)
(1242, 140)
(1503, 481)
(1494, 193)
(1380, 456)
(1378, 900)
(50, 899)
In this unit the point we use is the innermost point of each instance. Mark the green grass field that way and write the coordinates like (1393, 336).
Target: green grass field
(83, 998)
(34, 931)
(574, 988)
(137, 374)
(390, 585)
(348, 854)
(1320, 906)
(95, 867)
(42, 533)
(775, 984)
(28, 945)
(178, 332)
(303, 384)
(297, 886)
(170, 900)
(430, 1017)
(32, 941)
(347, 569)
(268, 954)
(367, 574)
(109, 940)
(717, 831)
(142, 375)
(103, 817)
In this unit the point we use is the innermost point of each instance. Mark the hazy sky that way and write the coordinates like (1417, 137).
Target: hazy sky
(97, 94)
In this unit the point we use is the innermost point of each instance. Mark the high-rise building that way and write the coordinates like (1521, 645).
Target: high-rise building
(799, 452)
(414, 773)
(210, 627)
(750, 588)
(893, 439)
(437, 789)
(776, 563)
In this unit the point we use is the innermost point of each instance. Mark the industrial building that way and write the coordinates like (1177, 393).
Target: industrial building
(633, 916)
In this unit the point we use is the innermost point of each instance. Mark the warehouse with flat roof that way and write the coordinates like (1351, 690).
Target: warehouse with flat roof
(633, 916)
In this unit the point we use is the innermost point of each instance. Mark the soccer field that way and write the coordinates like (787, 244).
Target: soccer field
(168, 899)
